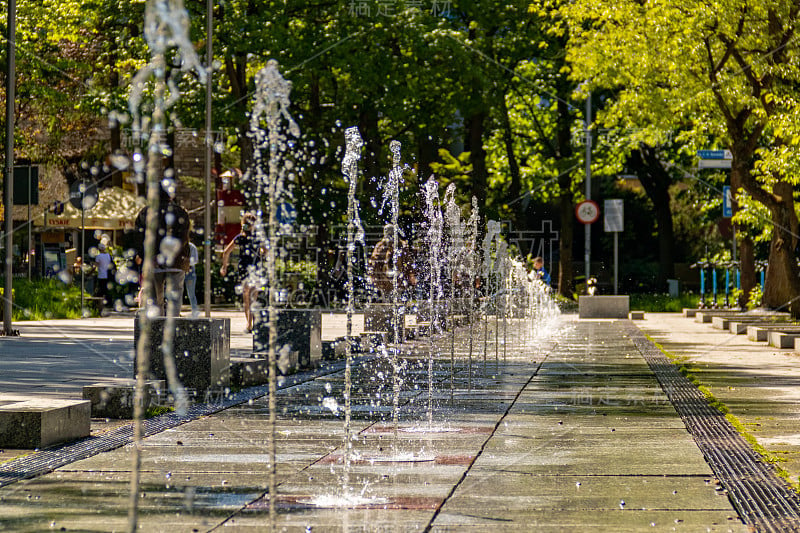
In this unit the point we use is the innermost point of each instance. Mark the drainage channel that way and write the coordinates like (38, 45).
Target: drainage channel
(763, 500)
(45, 461)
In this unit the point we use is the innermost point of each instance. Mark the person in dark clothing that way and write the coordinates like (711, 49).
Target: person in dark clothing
(171, 251)
(249, 252)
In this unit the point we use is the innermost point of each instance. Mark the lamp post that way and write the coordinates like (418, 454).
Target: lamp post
(209, 234)
(11, 80)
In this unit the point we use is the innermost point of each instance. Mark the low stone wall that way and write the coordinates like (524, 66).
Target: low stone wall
(603, 306)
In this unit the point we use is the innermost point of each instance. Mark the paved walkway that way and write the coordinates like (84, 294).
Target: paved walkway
(572, 433)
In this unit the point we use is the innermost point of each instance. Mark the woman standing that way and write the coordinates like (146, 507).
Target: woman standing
(248, 254)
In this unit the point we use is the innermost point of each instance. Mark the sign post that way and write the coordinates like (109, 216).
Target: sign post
(614, 223)
(83, 195)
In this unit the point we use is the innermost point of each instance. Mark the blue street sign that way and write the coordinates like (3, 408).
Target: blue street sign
(714, 154)
(727, 202)
(286, 213)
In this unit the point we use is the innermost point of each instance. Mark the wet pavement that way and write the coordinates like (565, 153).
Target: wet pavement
(573, 432)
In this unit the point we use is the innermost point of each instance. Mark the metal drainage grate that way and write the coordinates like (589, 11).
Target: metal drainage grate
(45, 461)
(762, 499)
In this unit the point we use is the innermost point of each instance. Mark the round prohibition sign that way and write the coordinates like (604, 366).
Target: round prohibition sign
(587, 212)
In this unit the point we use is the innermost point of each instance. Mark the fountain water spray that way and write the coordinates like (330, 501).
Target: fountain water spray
(501, 255)
(391, 197)
(433, 214)
(355, 233)
(472, 267)
(492, 231)
(455, 262)
(271, 108)
(166, 26)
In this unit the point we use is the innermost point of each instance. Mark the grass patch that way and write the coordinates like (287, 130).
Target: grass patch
(157, 410)
(663, 303)
(42, 299)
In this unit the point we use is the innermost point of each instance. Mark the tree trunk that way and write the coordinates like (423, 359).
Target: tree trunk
(566, 275)
(477, 156)
(368, 126)
(515, 187)
(742, 152)
(656, 181)
(782, 285)
(236, 71)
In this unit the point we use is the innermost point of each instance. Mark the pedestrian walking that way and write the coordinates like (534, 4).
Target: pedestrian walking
(190, 280)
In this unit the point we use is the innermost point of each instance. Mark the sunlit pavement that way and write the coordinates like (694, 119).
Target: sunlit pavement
(570, 434)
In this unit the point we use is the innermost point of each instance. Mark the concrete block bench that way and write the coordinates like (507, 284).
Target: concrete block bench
(249, 371)
(782, 339)
(298, 329)
(114, 398)
(201, 348)
(603, 306)
(738, 324)
(760, 333)
(705, 316)
(29, 422)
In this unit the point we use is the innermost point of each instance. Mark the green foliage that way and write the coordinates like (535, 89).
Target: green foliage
(43, 299)
(756, 295)
(158, 410)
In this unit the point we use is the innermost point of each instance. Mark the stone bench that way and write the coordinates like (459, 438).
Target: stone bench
(738, 324)
(605, 306)
(201, 348)
(782, 339)
(298, 329)
(760, 333)
(704, 316)
(114, 398)
(249, 371)
(29, 422)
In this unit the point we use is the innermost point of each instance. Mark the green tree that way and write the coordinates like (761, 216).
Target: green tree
(716, 70)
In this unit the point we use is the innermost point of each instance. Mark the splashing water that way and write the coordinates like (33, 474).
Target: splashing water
(492, 231)
(433, 215)
(166, 27)
(473, 264)
(456, 255)
(355, 234)
(391, 197)
(270, 109)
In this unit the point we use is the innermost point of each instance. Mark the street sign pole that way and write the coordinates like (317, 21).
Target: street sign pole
(615, 223)
(616, 262)
(587, 255)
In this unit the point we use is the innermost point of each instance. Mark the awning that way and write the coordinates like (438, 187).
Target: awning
(116, 209)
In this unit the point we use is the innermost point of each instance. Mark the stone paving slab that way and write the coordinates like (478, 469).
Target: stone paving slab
(582, 409)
